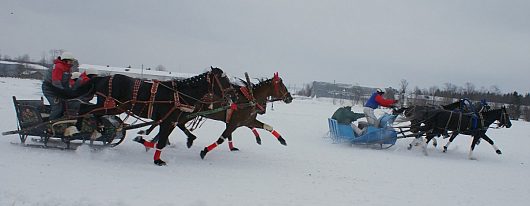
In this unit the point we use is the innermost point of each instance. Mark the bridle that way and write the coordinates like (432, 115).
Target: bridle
(276, 82)
(504, 118)
(213, 81)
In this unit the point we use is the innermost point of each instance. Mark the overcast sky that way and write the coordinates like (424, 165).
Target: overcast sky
(370, 43)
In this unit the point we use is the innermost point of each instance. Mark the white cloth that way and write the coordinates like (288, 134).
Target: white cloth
(356, 129)
(370, 116)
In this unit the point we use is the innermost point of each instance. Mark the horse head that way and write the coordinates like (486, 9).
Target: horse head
(504, 119)
(220, 84)
(280, 90)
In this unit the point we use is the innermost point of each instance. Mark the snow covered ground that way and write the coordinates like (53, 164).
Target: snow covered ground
(309, 171)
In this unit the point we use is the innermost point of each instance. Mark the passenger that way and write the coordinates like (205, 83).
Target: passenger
(345, 115)
(73, 80)
(58, 77)
(77, 80)
(373, 103)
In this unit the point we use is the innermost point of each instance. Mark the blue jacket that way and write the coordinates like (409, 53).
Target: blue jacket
(371, 101)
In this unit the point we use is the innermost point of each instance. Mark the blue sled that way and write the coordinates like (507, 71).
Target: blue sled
(383, 135)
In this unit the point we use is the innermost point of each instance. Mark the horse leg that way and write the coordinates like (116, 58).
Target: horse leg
(453, 135)
(434, 142)
(231, 144)
(424, 147)
(165, 129)
(226, 133)
(256, 134)
(258, 124)
(415, 142)
(473, 143)
(489, 140)
(191, 137)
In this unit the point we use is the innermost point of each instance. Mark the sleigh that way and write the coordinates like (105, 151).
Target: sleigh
(383, 135)
(33, 121)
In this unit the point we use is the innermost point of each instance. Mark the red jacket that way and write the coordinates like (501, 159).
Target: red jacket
(384, 102)
(83, 79)
(59, 69)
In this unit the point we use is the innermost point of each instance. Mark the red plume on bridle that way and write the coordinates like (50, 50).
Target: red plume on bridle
(276, 82)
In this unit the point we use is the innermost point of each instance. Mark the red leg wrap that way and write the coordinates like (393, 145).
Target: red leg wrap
(276, 134)
(212, 146)
(149, 144)
(157, 154)
(230, 145)
(255, 131)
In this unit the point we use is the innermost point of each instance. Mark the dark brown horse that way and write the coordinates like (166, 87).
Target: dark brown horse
(249, 105)
(165, 102)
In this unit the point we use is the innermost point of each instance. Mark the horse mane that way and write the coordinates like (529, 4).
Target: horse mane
(192, 81)
(263, 82)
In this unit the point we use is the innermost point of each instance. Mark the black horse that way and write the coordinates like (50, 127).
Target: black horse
(465, 106)
(465, 123)
(418, 114)
(165, 102)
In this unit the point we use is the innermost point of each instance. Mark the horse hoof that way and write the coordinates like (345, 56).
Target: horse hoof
(159, 162)
(258, 141)
(203, 153)
(409, 147)
(139, 139)
(445, 149)
(498, 151)
(282, 141)
(434, 144)
(234, 149)
(189, 143)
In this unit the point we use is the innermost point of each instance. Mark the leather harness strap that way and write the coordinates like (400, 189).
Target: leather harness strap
(154, 88)
(109, 101)
(247, 95)
(136, 87)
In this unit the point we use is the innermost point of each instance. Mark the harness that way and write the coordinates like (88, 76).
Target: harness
(112, 103)
(251, 98)
(474, 122)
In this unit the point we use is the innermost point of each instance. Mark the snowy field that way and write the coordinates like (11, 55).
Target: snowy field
(309, 171)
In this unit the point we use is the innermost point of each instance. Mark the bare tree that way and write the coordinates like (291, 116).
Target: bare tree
(451, 89)
(469, 88)
(403, 84)
(23, 58)
(495, 89)
(160, 68)
(54, 53)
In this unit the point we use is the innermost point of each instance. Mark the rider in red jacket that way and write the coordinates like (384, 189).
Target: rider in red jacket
(59, 77)
(374, 102)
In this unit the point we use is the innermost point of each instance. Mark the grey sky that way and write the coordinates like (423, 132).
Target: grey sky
(371, 43)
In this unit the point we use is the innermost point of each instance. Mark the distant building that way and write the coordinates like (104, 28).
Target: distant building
(21, 70)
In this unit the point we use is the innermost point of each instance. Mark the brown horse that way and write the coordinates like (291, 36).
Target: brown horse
(165, 102)
(249, 105)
